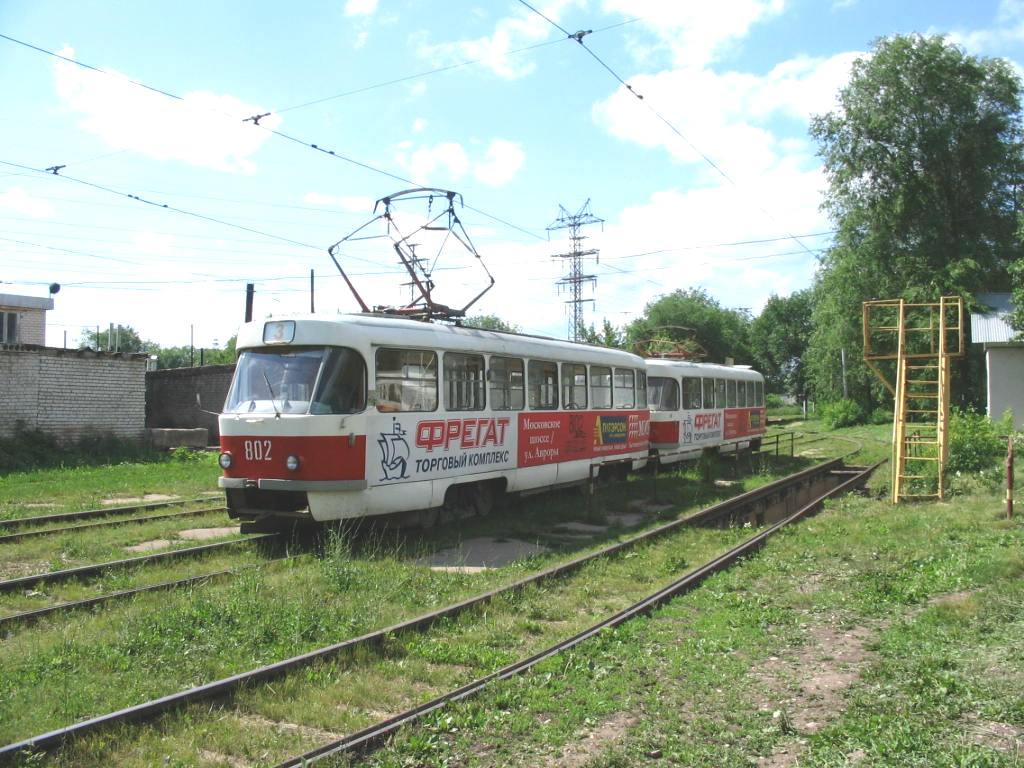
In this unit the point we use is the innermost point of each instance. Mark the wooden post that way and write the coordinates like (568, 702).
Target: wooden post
(1009, 477)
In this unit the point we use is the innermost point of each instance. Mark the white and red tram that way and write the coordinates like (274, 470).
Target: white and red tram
(359, 415)
(698, 406)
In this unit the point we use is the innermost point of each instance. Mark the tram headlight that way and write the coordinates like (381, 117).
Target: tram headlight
(292, 462)
(225, 460)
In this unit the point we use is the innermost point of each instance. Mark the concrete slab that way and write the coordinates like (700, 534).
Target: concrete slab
(179, 438)
(627, 519)
(483, 553)
(459, 568)
(648, 507)
(575, 527)
(200, 534)
(149, 546)
(120, 501)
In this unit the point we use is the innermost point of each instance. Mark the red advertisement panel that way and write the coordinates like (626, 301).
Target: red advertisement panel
(320, 457)
(665, 432)
(743, 422)
(548, 438)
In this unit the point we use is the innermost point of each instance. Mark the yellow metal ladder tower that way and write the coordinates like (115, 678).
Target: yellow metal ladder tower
(921, 339)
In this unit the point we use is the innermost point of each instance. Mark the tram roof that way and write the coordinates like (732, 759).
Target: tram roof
(369, 330)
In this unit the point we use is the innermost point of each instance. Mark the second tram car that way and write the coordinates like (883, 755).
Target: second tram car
(698, 406)
(359, 415)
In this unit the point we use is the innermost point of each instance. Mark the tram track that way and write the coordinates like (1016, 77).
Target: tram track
(92, 569)
(746, 504)
(374, 736)
(21, 535)
(60, 517)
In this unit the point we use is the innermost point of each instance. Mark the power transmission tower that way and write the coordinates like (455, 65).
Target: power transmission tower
(576, 279)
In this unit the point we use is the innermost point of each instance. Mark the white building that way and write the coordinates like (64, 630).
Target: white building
(1004, 357)
(23, 319)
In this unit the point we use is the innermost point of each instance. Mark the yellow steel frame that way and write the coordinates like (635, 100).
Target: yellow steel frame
(916, 337)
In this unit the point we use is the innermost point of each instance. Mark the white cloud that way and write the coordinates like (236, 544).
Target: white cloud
(510, 33)
(448, 156)
(1008, 30)
(504, 159)
(418, 125)
(361, 39)
(348, 203)
(733, 125)
(694, 33)
(360, 7)
(203, 129)
(18, 200)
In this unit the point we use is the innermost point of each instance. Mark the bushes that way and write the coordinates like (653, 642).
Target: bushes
(842, 413)
(30, 449)
(976, 442)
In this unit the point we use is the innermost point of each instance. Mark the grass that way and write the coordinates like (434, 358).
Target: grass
(912, 613)
(154, 644)
(70, 489)
(162, 642)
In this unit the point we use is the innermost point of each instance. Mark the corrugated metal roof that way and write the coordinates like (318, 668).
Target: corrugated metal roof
(993, 327)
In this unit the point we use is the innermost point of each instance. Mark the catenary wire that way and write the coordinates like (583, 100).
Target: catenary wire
(578, 37)
(255, 120)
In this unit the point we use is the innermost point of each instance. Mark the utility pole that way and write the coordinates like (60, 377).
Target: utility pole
(575, 280)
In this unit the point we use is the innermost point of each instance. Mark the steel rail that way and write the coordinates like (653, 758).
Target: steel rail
(59, 517)
(88, 602)
(19, 535)
(234, 682)
(88, 570)
(373, 736)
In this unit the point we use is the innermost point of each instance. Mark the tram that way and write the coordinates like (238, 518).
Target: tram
(701, 406)
(351, 416)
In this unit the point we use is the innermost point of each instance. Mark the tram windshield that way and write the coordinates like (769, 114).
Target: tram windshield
(662, 393)
(316, 381)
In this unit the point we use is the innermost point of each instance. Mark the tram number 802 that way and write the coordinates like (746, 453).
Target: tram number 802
(257, 450)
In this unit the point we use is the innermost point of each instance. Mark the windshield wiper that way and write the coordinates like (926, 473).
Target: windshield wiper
(273, 398)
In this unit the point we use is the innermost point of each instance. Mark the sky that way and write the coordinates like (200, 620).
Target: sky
(168, 201)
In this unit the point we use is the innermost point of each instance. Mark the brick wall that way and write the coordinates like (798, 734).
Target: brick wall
(171, 397)
(31, 324)
(67, 393)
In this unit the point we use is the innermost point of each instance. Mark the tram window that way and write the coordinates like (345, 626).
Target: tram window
(543, 384)
(406, 380)
(708, 385)
(277, 381)
(720, 393)
(463, 382)
(506, 384)
(741, 394)
(663, 393)
(341, 387)
(600, 386)
(731, 396)
(641, 389)
(691, 393)
(760, 394)
(624, 395)
(574, 386)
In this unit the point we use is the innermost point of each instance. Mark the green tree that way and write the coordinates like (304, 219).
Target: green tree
(185, 356)
(694, 318)
(779, 337)
(608, 336)
(923, 159)
(491, 323)
(124, 339)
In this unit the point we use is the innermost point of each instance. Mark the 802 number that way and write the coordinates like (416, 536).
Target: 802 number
(257, 450)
